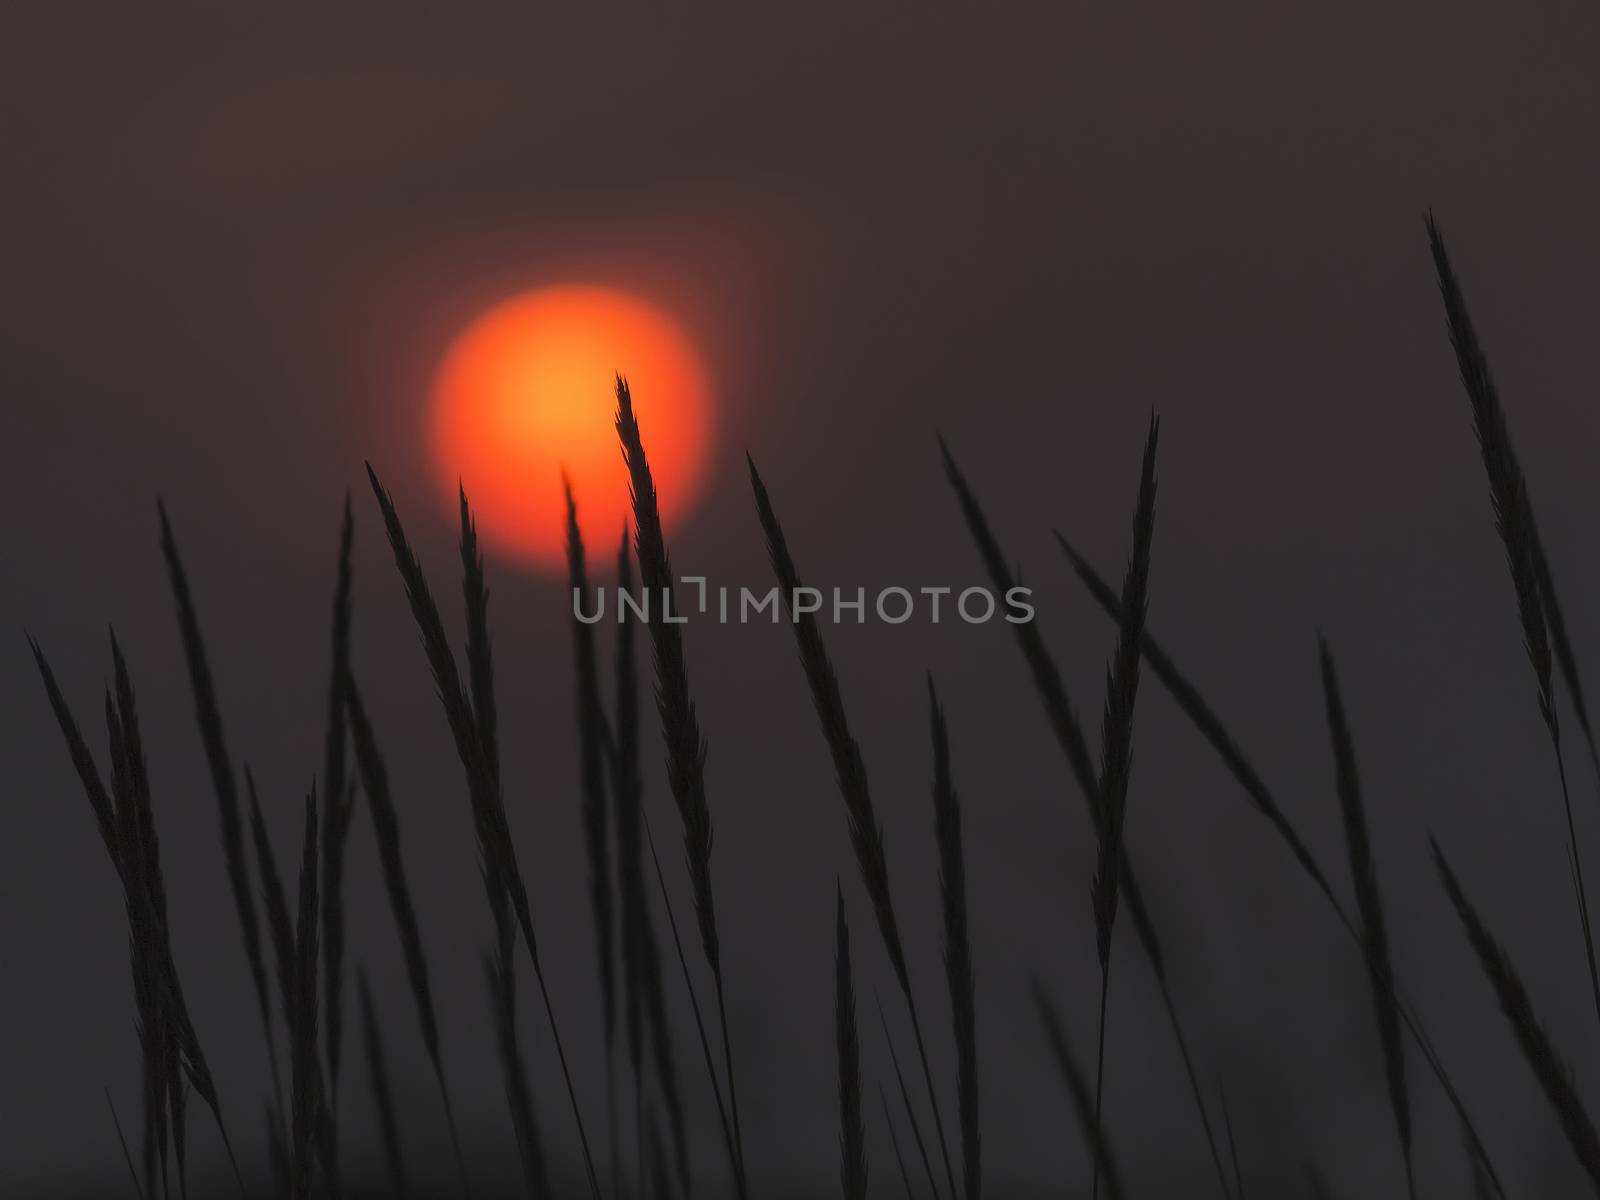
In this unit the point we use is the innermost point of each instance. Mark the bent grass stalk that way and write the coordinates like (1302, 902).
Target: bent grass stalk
(1530, 573)
(1369, 902)
(1555, 1079)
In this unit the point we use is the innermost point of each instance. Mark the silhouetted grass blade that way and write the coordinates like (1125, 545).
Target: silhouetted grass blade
(1513, 518)
(590, 711)
(1553, 1076)
(852, 1134)
(386, 834)
(1202, 714)
(1369, 901)
(274, 898)
(471, 725)
(514, 1074)
(338, 808)
(1206, 721)
(957, 945)
(1080, 1091)
(1233, 1144)
(78, 749)
(905, 1103)
(1116, 747)
(139, 853)
(1561, 640)
(641, 953)
(208, 717)
(382, 1092)
(591, 754)
(303, 1060)
(894, 1142)
(850, 774)
(680, 726)
(1068, 732)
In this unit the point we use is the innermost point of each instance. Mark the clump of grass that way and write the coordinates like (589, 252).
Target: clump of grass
(382, 1092)
(158, 993)
(1116, 749)
(171, 1060)
(852, 1133)
(283, 933)
(179, 1034)
(680, 726)
(850, 774)
(1541, 1055)
(1513, 518)
(957, 945)
(1369, 901)
(1079, 1091)
(172, 1052)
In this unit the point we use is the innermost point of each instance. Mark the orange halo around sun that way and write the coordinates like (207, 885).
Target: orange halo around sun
(528, 390)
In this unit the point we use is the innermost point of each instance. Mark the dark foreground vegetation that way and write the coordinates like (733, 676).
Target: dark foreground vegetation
(316, 1012)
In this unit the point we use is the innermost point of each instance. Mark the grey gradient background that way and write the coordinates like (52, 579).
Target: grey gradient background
(233, 247)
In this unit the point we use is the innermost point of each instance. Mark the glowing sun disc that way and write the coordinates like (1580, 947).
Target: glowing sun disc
(528, 389)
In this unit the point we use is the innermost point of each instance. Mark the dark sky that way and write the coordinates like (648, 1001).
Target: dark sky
(233, 248)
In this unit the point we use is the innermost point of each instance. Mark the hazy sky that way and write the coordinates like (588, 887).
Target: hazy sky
(233, 249)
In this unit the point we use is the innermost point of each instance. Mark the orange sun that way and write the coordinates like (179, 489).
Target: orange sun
(528, 390)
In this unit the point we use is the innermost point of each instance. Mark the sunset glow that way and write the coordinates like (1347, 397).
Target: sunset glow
(527, 390)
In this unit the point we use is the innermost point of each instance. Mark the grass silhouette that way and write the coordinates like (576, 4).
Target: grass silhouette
(307, 939)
